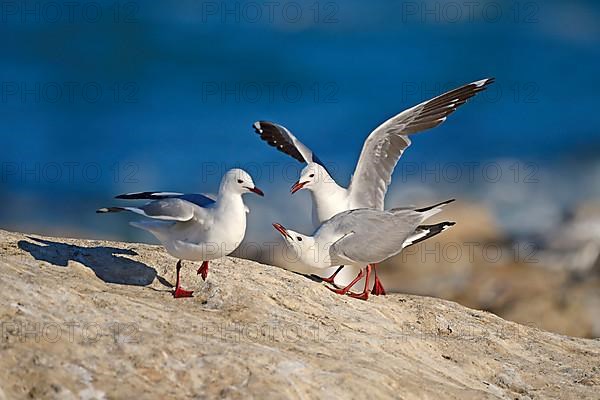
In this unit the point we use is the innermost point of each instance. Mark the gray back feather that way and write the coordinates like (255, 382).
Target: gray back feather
(371, 236)
(170, 209)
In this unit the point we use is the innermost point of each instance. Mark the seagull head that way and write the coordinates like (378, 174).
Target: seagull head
(238, 181)
(293, 237)
(300, 247)
(312, 177)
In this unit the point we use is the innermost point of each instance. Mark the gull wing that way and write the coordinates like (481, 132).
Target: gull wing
(385, 145)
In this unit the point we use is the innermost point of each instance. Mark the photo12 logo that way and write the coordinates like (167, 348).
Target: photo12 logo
(269, 92)
(67, 172)
(454, 12)
(525, 92)
(269, 12)
(69, 12)
(69, 332)
(69, 92)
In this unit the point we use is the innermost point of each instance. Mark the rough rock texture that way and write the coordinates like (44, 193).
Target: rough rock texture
(475, 265)
(90, 319)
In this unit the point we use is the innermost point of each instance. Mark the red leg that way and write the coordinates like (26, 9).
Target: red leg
(365, 293)
(331, 279)
(179, 292)
(203, 270)
(347, 288)
(378, 289)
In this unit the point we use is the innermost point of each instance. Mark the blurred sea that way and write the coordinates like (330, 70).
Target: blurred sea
(104, 97)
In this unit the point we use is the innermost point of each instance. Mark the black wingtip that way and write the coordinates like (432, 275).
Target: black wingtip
(447, 225)
(277, 136)
(135, 196)
(433, 230)
(484, 83)
(260, 126)
(257, 127)
(443, 203)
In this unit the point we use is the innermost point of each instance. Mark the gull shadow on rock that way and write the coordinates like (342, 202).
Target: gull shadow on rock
(108, 263)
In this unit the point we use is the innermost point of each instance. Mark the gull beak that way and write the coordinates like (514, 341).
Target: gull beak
(297, 186)
(256, 190)
(281, 230)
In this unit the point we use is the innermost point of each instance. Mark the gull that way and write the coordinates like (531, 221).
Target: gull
(380, 153)
(195, 227)
(362, 237)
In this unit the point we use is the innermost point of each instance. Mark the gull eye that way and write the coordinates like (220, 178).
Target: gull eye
(311, 176)
(240, 181)
(299, 238)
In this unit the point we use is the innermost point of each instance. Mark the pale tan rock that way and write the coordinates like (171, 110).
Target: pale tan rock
(90, 319)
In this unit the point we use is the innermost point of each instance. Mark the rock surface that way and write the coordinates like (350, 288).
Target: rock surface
(90, 319)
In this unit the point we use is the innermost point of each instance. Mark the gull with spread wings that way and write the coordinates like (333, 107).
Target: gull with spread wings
(380, 154)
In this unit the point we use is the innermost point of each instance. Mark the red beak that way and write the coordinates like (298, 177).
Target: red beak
(256, 190)
(281, 230)
(297, 186)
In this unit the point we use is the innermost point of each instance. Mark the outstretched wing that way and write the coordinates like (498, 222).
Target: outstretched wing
(281, 138)
(384, 146)
(195, 198)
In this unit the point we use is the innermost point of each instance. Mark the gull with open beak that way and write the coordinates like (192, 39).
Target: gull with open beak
(362, 237)
(380, 154)
(195, 227)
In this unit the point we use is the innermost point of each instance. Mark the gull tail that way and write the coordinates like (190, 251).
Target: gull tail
(110, 210)
(105, 210)
(160, 229)
(150, 226)
(424, 232)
